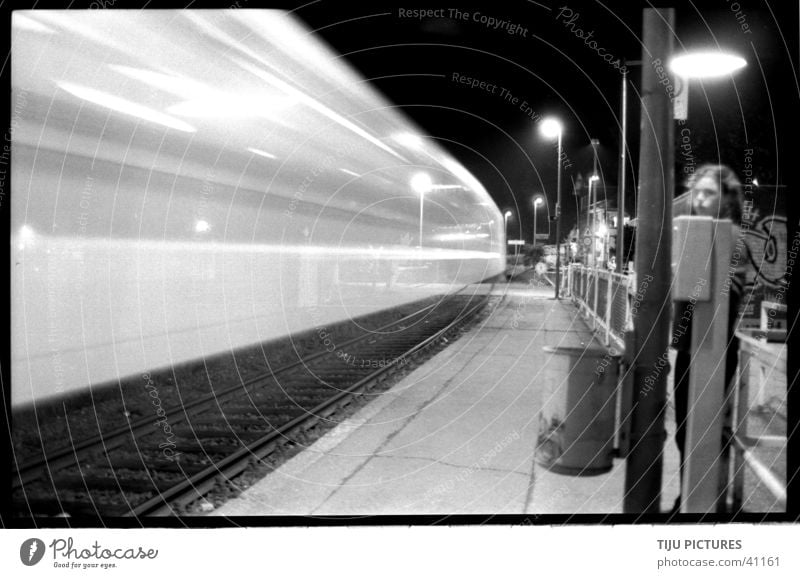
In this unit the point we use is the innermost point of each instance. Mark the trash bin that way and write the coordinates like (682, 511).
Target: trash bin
(577, 420)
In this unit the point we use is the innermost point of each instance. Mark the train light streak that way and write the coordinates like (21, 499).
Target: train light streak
(125, 106)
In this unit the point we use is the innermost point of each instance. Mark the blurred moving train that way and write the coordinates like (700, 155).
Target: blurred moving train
(189, 182)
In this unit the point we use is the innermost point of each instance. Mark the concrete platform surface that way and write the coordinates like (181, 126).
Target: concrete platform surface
(455, 436)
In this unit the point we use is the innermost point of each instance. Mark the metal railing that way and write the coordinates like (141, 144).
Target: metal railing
(768, 362)
(604, 297)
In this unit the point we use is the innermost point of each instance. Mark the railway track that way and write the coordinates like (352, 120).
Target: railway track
(139, 470)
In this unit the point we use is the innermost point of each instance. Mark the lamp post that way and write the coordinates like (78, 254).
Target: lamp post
(621, 256)
(687, 66)
(593, 190)
(506, 216)
(590, 215)
(651, 335)
(551, 128)
(421, 183)
(537, 200)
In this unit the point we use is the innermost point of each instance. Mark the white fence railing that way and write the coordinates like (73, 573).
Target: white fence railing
(605, 298)
(767, 363)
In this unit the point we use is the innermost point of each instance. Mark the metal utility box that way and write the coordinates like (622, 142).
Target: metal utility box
(692, 242)
(577, 420)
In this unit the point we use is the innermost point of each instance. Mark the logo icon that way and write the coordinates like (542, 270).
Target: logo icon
(31, 551)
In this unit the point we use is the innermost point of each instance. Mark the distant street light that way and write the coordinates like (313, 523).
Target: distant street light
(537, 200)
(590, 215)
(505, 223)
(592, 198)
(421, 183)
(551, 128)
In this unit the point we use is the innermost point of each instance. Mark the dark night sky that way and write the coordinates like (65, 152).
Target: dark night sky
(546, 65)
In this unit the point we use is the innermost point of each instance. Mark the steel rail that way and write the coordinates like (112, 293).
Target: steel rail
(69, 455)
(198, 484)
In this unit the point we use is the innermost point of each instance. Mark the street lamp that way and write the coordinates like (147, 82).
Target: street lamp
(506, 215)
(594, 178)
(590, 214)
(551, 128)
(537, 200)
(700, 65)
(706, 64)
(421, 183)
(688, 65)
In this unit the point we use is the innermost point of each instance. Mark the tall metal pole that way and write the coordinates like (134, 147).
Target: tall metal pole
(421, 206)
(535, 207)
(592, 225)
(589, 221)
(653, 251)
(621, 188)
(558, 217)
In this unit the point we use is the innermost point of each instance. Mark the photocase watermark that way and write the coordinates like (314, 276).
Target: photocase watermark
(747, 173)
(20, 103)
(791, 259)
(102, 4)
(651, 379)
(5, 157)
(681, 325)
(168, 446)
(31, 551)
(687, 151)
(324, 164)
(740, 16)
(84, 204)
(506, 96)
(736, 266)
(606, 360)
(569, 18)
(640, 293)
(485, 20)
(364, 362)
(664, 79)
(57, 271)
(326, 339)
(67, 555)
(519, 310)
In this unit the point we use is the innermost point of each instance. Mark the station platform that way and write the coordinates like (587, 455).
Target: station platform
(457, 435)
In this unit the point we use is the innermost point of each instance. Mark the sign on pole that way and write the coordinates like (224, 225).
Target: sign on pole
(680, 102)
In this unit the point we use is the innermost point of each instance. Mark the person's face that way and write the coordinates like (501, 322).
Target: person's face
(706, 197)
